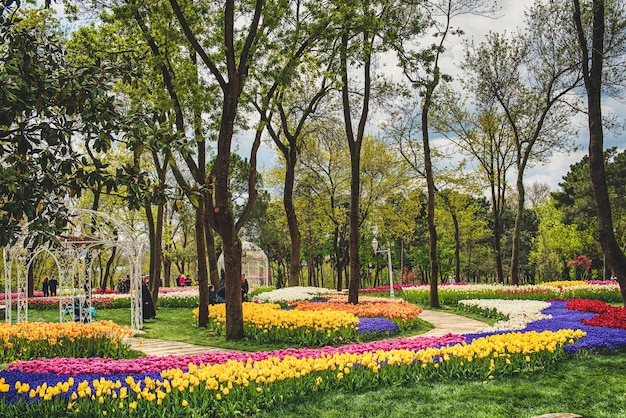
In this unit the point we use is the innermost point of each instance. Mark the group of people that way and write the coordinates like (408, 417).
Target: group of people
(123, 286)
(49, 286)
(220, 295)
(183, 280)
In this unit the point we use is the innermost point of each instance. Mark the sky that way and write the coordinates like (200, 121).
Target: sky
(511, 15)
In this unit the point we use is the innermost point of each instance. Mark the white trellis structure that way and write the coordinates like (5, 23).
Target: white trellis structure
(73, 258)
(254, 264)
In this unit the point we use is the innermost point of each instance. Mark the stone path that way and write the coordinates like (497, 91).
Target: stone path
(444, 323)
(449, 323)
(154, 347)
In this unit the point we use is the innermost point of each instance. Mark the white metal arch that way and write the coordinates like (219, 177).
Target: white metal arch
(73, 256)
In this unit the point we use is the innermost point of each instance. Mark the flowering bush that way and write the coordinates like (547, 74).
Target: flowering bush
(28, 340)
(581, 263)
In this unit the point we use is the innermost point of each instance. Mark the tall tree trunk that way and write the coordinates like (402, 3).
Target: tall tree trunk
(457, 247)
(430, 183)
(355, 196)
(107, 270)
(517, 230)
(292, 221)
(337, 243)
(155, 261)
(311, 264)
(593, 85)
(214, 274)
(355, 142)
(167, 271)
(203, 287)
(224, 219)
(496, 204)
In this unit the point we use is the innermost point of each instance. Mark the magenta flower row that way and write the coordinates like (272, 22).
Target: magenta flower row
(77, 366)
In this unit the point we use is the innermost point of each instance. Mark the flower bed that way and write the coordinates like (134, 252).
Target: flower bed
(372, 328)
(290, 294)
(518, 313)
(452, 294)
(267, 322)
(608, 316)
(320, 322)
(242, 387)
(227, 384)
(404, 315)
(399, 310)
(560, 315)
(28, 340)
(565, 283)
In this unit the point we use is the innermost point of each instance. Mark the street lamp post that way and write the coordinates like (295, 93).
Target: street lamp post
(389, 269)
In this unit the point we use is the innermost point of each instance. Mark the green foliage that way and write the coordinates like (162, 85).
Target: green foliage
(46, 102)
(577, 205)
(482, 312)
(555, 243)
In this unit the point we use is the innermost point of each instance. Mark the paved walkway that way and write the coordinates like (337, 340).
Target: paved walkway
(444, 323)
(449, 323)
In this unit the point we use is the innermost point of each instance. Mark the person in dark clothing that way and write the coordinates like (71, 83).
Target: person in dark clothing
(221, 294)
(127, 284)
(45, 286)
(146, 300)
(222, 277)
(212, 295)
(52, 284)
(245, 288)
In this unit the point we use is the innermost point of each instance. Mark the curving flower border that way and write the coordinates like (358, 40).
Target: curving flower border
(259, 380)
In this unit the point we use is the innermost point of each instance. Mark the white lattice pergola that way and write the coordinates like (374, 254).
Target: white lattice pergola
(254, 264)
(73, 258)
